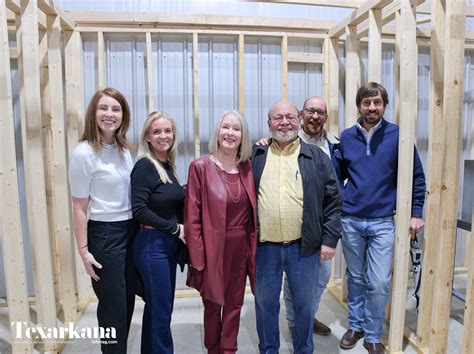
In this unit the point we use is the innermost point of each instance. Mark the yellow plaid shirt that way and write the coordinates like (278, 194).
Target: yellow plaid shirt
(280, 195)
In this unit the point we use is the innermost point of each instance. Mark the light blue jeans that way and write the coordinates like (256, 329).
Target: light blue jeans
(272, 261)
(323, 279)
(368, 248)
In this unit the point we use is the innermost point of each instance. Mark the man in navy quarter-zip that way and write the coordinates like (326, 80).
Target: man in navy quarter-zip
(370, 163)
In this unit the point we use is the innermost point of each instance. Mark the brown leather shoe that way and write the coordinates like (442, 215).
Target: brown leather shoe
(320, 328)
(374, 348)
(350, 339)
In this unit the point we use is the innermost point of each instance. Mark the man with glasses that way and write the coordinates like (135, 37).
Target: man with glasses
(299, 206)
(370, 160)
(313, 117)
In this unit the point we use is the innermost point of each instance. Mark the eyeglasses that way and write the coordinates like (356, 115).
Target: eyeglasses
(289, 117)
(312, 111)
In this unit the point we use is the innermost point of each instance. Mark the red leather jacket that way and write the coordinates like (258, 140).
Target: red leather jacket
(204, 226)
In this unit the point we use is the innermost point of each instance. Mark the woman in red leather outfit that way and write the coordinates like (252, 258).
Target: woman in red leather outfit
(220, 230)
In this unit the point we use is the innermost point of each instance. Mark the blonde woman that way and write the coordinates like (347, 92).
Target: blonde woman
(99, 177)
(157, 205)
(220, 230)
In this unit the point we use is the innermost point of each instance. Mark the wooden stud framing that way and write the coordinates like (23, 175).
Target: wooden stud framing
(197, 140)
(408, 112)
(313, 58)
(156, 20)
(100, 61)
(241, 74)
(467, 346)
(61, 204)
(375, 45)
(149, 73)
(452, 107)
(357, 16)
(10, 220)
(331, 71)
(75, 114)
(284, 67)
(331, 3)
(353, 76)
(34, 174)
(47, 156)
(396, 71)
(436, 153)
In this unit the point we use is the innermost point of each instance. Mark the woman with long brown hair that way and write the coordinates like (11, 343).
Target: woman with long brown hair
(99, 178)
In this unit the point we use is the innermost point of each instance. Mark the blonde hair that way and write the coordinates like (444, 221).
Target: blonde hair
(91, 132)
(145, 148)
(245, 147)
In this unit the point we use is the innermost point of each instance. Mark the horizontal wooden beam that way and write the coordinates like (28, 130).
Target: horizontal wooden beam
(425, 9)
(154, 20)
(357, 16)
(328, 3)
(314, 58)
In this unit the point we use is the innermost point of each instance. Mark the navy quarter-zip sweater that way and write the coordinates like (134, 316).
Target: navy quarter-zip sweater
(372, 171)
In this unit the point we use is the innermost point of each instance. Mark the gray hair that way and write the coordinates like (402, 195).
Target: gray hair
(245, 147)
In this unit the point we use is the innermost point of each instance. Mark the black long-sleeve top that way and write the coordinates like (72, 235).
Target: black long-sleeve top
(155, 203)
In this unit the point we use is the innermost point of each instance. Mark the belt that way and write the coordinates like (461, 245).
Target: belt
(147, 227)
(284, 243)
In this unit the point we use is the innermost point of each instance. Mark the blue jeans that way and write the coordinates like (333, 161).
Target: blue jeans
(156, 258)
(322, 280)
(272, 260)
(368, 249)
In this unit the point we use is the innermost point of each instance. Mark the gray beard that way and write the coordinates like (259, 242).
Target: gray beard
(284, 137)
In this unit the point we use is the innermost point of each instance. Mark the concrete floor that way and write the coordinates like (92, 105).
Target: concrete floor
(187, 327)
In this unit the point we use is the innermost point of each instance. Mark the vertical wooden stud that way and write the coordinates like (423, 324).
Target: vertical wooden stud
(352, 75)
(436, 157)
(197, 140)
(452, 108)
(406, 146)
(60, 200)
(34, 173)
(332, 64)
(100, 61)
(284, 67)
(375, 45)
(396, 72)
(10, 220)
(149, 73)
(241, 74)
(75, 124)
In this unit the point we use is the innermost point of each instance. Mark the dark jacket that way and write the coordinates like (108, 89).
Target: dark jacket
(205, 225)
(322, 199)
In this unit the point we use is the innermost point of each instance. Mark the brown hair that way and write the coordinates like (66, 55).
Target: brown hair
(371, 89)
(91, 132)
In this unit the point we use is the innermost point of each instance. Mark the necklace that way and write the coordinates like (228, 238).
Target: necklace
(223, 166)
(236, 198)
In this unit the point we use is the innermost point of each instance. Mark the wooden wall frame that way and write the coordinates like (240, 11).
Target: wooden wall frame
(368, 21)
